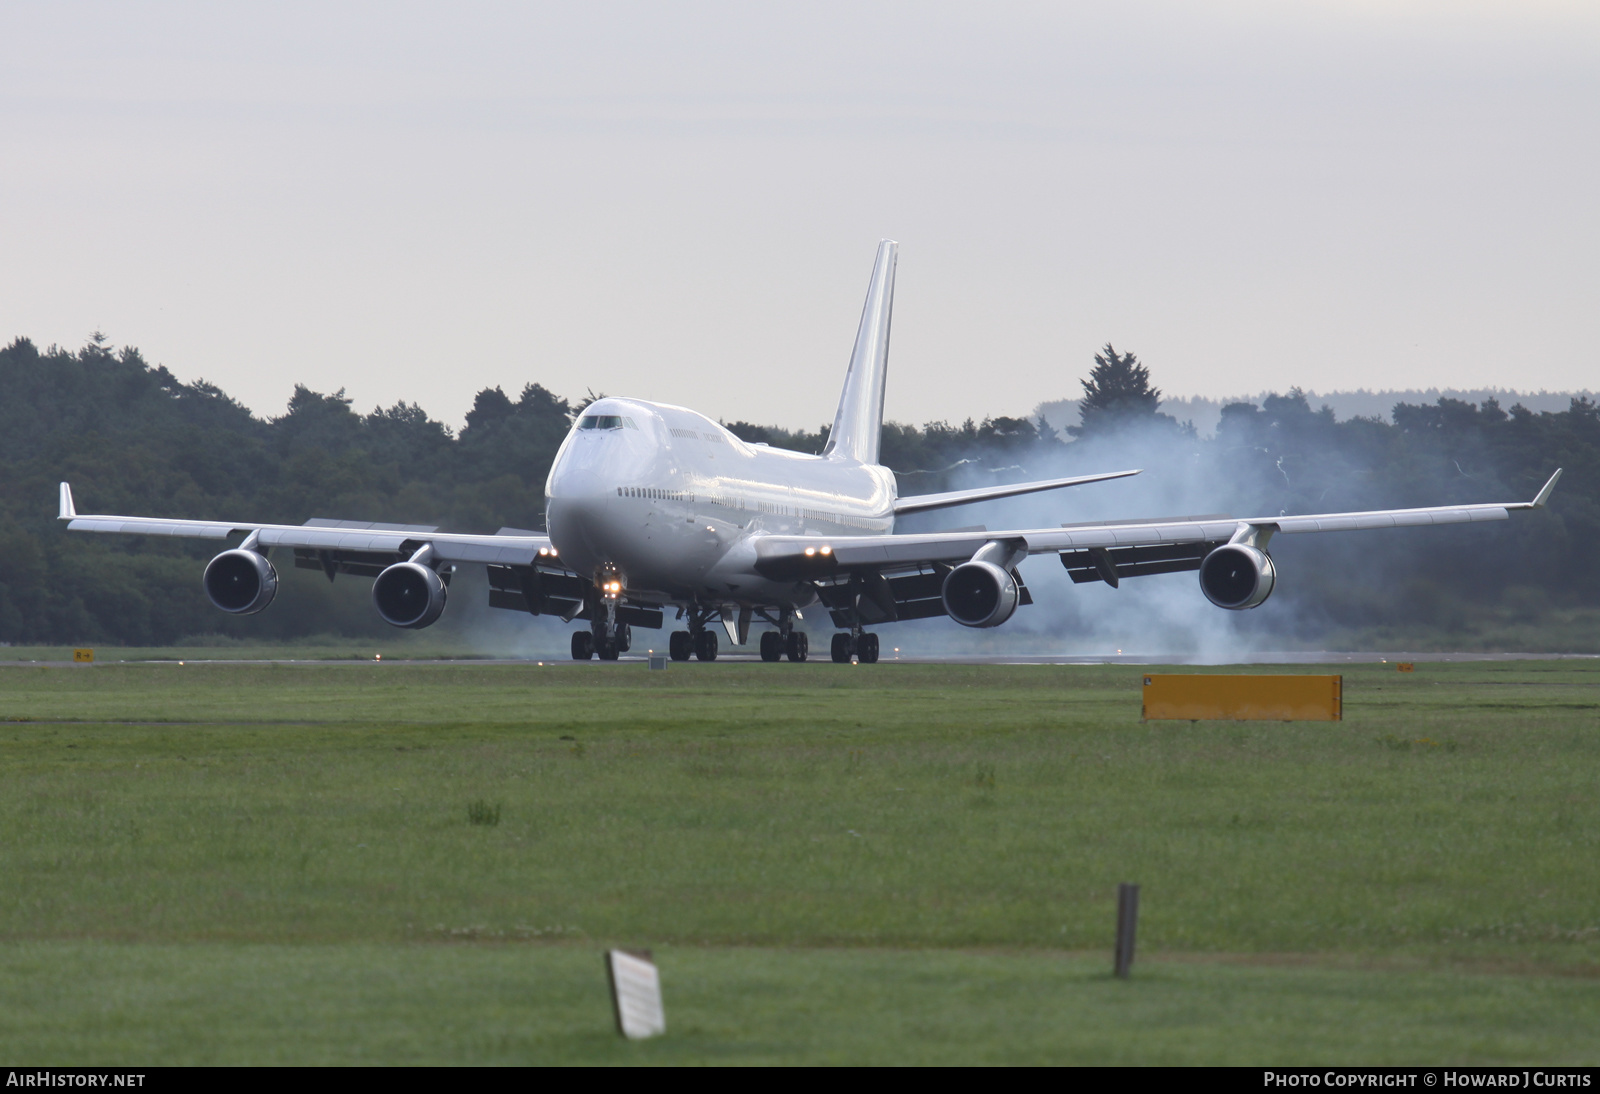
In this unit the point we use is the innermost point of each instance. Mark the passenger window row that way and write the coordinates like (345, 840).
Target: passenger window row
(652, 492)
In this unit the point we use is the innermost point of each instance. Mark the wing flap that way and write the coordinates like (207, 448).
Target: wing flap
(1173, 558)
(893, 597)
(357, 563)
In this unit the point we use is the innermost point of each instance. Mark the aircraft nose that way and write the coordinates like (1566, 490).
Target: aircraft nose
(577, 526)
(578, 484)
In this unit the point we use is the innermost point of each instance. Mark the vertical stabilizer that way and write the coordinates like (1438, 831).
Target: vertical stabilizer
(858, 426)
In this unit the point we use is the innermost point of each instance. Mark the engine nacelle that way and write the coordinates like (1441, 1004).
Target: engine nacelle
(409, 594)
(240, 581)
(1236, 577)
(980, 594)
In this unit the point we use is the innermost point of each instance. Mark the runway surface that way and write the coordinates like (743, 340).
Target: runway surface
(1283, 657)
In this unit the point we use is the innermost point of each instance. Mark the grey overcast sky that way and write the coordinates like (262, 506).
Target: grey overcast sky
(681, 201)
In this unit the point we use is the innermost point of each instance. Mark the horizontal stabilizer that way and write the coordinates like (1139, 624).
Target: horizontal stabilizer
(922, 502)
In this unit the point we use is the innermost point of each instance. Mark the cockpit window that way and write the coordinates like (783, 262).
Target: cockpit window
(605, 421)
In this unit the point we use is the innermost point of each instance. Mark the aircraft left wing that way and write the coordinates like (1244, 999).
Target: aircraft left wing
(334, 537)
(899, 576)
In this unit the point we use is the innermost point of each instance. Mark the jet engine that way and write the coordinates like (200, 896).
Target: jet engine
(409, 594)
(1236, 576)
(241, 581)
(980, 594)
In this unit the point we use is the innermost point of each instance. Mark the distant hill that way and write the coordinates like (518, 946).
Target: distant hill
(1205, 413)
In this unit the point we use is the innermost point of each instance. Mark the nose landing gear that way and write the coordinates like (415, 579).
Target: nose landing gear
(606, 637)
(595, 642)
(608, 647)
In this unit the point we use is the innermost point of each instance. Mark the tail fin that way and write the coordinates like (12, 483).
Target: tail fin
(858, 426)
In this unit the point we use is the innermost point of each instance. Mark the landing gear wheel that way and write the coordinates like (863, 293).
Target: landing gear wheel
(606, 649)
(582, 646)
(680, 645)
(841, 649)
(867, 649)
(624, 637)
(799, 645)
(706, 647)
(771, 646)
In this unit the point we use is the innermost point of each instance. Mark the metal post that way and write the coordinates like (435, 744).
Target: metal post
(1127, 925)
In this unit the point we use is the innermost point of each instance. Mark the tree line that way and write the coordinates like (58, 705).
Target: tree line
(132, 438)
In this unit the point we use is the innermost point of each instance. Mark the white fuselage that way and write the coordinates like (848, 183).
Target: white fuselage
(674, 502)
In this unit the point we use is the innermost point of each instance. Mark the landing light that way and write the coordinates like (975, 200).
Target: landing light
(810, 551)
(827, 550)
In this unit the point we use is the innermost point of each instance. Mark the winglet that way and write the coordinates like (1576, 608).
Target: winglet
(1544, 494)
(69, 510)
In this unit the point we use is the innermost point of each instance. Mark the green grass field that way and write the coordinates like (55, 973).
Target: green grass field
(899, 863)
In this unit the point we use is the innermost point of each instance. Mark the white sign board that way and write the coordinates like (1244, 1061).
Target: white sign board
(636, 994)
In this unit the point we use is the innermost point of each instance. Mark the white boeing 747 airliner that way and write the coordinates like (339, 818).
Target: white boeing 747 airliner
(652, 507)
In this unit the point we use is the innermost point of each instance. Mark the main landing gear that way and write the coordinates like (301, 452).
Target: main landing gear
(683, 645)
(785, 640)
(860, 645)
(699, 640)
(774, 646)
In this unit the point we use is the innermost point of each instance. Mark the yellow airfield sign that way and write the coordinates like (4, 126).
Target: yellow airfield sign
(1196, 697)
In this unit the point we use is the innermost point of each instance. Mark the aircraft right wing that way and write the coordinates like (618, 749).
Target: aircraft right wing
(329, 537)
(525, 571)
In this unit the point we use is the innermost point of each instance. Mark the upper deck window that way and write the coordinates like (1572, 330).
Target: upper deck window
(605, 421)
